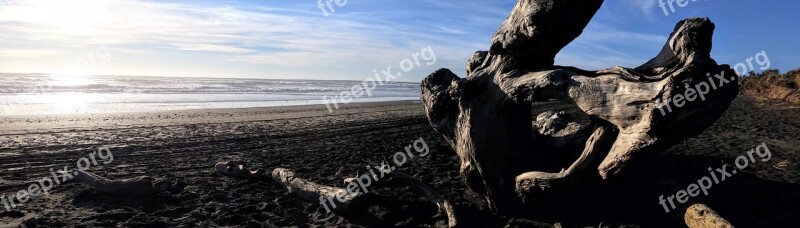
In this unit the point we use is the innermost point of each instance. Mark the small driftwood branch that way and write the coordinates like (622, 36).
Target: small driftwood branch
(343, 202)
(237, 169)
(348, 203)
(139, 186)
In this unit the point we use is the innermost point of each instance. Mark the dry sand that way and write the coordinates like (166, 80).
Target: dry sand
(183, 147)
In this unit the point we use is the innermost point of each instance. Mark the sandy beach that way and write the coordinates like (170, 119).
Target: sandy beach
(183, 146)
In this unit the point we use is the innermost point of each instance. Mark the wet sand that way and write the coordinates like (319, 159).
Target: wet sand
(183, 146)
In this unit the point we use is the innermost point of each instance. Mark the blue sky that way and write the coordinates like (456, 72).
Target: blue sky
(293, 39)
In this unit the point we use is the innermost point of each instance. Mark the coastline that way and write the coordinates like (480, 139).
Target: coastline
(18, 124)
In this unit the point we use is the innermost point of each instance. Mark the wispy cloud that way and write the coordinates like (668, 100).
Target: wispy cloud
(603, 46)
(249, 34)
(646, 7)
(212, 48)
(451, 30)
(25, 53)
(293, 38)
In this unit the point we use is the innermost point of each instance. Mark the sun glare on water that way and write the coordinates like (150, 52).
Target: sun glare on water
(69, 102)
(70, 80)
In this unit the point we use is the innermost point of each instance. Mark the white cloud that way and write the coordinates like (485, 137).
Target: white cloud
(26, 53)
(451, 30)
(646, 7)
(601, 33)
(212, 48)
(256, 35)
(155, 35)
(602, 46)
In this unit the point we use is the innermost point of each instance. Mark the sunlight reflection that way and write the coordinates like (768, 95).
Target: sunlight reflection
(71, 102)
(70, 80)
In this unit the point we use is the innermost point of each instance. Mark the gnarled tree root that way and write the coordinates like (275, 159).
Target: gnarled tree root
(535, 183)
(486, 115)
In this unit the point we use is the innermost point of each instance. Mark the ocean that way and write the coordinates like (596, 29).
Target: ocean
(41, 94)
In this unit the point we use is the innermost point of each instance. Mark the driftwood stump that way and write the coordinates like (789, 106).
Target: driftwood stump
(486, 117)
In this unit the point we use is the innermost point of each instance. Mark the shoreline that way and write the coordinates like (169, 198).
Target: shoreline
(82, 105)
(20, 124)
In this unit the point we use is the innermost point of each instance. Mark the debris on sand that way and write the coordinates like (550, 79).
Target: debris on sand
(237, 169)
(138, 186)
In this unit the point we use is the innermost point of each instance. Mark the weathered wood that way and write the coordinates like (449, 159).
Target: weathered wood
(490, 132)
(531, 183)
(348, 203)
(237, 169)
(139, 186)
(702, 216)
(342, 201)
(486, 116)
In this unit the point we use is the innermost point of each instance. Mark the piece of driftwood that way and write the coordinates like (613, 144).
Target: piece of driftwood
(237, 169)
(138, 186)
(348, 203)
(486, 117)
(342, 201)
(529, 183)
(560, 130)
(702, 216)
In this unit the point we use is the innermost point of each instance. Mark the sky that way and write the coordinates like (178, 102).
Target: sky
(306, 39)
